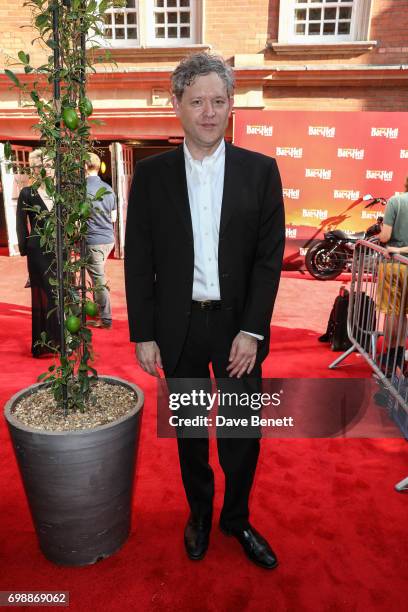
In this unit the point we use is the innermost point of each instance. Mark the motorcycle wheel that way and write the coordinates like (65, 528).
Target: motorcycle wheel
(325, 262)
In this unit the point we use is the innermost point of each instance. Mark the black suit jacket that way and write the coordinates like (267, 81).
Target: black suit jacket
(159, 248)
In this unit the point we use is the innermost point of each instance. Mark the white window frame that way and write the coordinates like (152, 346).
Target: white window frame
(146, 28)
(360, 21)
(151, 39)
(126, 42)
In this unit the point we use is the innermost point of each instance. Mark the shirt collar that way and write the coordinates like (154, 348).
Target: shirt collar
(209, 160)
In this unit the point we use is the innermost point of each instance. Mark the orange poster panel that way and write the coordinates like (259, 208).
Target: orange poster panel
(328, 161)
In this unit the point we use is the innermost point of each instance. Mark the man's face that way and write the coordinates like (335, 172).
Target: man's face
(203, 111)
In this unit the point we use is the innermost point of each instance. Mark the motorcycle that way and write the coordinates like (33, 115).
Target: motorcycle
(333, 255)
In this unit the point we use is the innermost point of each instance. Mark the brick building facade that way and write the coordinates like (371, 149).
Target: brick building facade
(364, 69)
(348, 55)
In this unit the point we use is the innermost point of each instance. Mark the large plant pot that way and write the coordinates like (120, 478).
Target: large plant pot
(79, 483)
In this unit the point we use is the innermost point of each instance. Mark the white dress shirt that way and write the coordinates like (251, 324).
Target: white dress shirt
(205, 184)
(49, 203)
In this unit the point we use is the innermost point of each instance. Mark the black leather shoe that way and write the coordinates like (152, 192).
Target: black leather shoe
(255, 546)
(197, 537)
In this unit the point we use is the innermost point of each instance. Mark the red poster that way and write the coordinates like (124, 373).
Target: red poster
(327, 161)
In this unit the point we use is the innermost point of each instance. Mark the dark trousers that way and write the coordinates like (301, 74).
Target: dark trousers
(209, 340)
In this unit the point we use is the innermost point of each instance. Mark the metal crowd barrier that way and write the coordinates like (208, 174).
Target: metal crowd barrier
(376, 325)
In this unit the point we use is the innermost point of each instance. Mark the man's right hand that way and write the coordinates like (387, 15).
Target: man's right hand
(149, 358)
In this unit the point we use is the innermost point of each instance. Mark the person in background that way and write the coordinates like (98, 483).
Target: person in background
(40, 263)
(394, 234)
(100, 239)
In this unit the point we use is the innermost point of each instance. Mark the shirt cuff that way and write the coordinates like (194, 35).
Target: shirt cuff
(257, 336)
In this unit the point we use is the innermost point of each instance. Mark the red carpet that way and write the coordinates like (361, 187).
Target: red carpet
(327, 506)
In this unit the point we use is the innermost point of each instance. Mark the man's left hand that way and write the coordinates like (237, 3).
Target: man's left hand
(242, 355)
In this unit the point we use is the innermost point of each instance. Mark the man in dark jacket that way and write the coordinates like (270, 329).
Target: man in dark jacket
(203, 254)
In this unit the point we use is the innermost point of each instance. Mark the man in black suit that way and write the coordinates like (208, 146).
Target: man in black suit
(204, 247)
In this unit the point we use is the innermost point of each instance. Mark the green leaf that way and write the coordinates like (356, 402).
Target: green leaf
(49, 186)
(52, 44)
(92, 6)
(42, 376)
(13, 77)
(41, 20)
(28, 69)
(103, 5)
(23, 57)
(86, 334)
(101, 192)
(83, 131)
(7, 150)
(84, 384)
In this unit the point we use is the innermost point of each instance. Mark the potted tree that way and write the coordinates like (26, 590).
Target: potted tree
(75, 434)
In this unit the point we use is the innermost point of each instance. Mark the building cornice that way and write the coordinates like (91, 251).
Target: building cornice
(135, 54)
(334, 75)
(268, 75)
(345, 49)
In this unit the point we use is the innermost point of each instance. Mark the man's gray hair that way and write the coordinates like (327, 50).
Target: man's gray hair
(200, 64)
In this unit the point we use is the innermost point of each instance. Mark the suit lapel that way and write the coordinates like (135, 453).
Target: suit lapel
(232, 173)
(177, 186)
